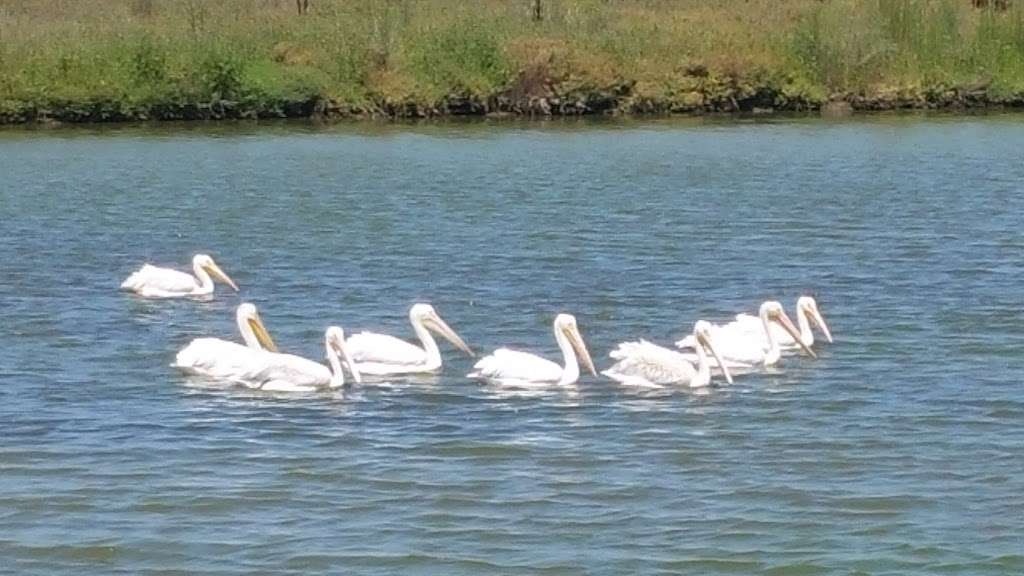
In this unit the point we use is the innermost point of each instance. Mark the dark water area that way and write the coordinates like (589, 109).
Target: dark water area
(900, 450)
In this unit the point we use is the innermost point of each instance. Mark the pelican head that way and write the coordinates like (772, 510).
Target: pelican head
(251, 326)
(204, 262)
(566, 325)
(809, 307)
(426, 316)
(702, 333)
(773, 312)
(334, 339)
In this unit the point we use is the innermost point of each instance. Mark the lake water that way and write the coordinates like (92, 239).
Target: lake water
(899, 451)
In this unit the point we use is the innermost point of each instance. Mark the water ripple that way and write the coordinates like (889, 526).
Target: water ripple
(897, 451)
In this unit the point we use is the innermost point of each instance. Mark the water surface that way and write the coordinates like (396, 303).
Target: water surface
(899, 451)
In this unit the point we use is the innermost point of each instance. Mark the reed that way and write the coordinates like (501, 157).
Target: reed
(928, 44)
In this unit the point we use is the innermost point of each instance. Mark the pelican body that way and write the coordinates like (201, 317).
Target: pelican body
(273, 371)
(645, 364)
(155, 282)
(741, 350)
(511, 367)
(380, 354)
(222, 359)
(807, 313)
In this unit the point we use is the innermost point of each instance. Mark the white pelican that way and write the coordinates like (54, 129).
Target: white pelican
(511, 367)
(380, 354)
(155, 282)
(806, 314)
(222, 359)
(743, 351)
(272, 371)
(645, 364)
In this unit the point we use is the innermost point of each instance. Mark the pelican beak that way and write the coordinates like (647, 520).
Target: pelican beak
(820, 323)
(341, 350)
(787, 324)
(262, 336)
(444, 330)
(573, 334)
(219, 274)
(708, 346)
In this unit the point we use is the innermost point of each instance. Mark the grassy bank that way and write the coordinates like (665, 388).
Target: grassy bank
(137, 59)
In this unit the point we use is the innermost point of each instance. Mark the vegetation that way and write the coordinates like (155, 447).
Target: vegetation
(136, 59)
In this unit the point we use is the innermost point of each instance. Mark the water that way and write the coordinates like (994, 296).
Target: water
(899, 451)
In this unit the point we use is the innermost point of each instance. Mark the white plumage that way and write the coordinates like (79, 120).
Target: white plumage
(515, 368)
(265, 370)
(219, 360)
(156, 282)
(750, 326)
(216, 357)
(370, 348)
(747, 350)
(642, 363)
(645, 364)
(222, 359)
(381, 354)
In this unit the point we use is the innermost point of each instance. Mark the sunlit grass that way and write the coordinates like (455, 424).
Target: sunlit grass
(259, 53)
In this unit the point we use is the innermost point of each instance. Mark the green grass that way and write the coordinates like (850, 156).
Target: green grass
(869, 47)
(146, 58)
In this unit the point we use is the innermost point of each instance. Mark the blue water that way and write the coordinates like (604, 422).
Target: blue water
(900, 450)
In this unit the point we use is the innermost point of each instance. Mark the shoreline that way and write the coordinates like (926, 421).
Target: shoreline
(100, 61)
(730, 98)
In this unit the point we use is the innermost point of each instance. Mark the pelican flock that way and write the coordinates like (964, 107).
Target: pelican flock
(745, 325)
(744, 351)
(156, 282)
(742, 345)
(747, 351)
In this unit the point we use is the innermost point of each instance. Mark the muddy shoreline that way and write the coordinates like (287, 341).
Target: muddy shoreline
(620, 99)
